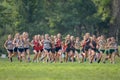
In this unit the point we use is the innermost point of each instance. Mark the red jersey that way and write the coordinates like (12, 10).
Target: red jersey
(64, 47)
(58, 43)
(84, 43)
(41, 46)
(36, 45)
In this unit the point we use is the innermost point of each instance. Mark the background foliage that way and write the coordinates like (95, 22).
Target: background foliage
(74, 17)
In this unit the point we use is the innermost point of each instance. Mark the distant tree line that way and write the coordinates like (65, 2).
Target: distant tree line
(74, 17)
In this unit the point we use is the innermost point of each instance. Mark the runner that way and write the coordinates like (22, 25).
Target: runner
(15, 41)
(72, 49)
(77, 48)
(87, 45)
(9, 47)
(21, 50)
(26, 45)
(68, 44)
(58, 47)
(35, 44)
(47, 48)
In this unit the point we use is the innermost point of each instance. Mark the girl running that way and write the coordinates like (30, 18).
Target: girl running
(15, 41)
(101, 46)
(87, 45)
(35, 44)
(68, 44)
(53, 50)
(107, 51)
(47, 47)
(21, 50)
(116, 49)
(26, 45)
(77, 48)
(58, 47)
(93, 49)
(40, 47)
(112, 49)
(72, 48)
(83, 42)
(9, 47)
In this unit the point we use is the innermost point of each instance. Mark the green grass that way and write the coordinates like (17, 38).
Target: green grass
(58, 71)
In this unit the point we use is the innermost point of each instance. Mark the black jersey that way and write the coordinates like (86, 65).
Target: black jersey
(87, 41)
(72, 44)
(68, 43)
(94, 44)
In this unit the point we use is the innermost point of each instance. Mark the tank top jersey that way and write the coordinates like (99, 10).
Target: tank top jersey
(20, 44)
(9, 44)
(47, 44)
(77, 43)
(94, 44)
(64, 47)
(26, 44)
(87, 42)
(68, 43)
(102, 44)
(41, 45)
(53, 44)
(72, 44)
(36, 45)
(83, 44)
(15, 42)
(58, 43)
(112, 45)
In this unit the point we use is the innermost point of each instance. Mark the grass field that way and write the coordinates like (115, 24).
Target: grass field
(58, 71)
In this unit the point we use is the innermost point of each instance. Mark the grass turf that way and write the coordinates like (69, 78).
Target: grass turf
(58, 71)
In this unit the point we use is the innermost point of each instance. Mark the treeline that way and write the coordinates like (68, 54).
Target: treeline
(74, 17)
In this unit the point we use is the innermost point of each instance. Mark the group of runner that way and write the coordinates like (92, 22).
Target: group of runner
(52, 48)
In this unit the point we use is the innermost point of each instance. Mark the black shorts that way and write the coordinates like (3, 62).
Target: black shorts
(21, 50)
(107, 51)
(57, 49)
(10, 50)
(78, 50)
(48, 50)
(72, 49)
(112, 50)
(86, 48)
(83, 50)
(94, 49)
(15, 49)
(67, 49)
(102, 50)
(53, 50)
(97, 51)
(26, 49)
(41, 50)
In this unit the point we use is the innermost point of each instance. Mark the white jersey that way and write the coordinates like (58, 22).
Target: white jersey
(9, 44)
(20, 44)
(47, 44)
(26, 43)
